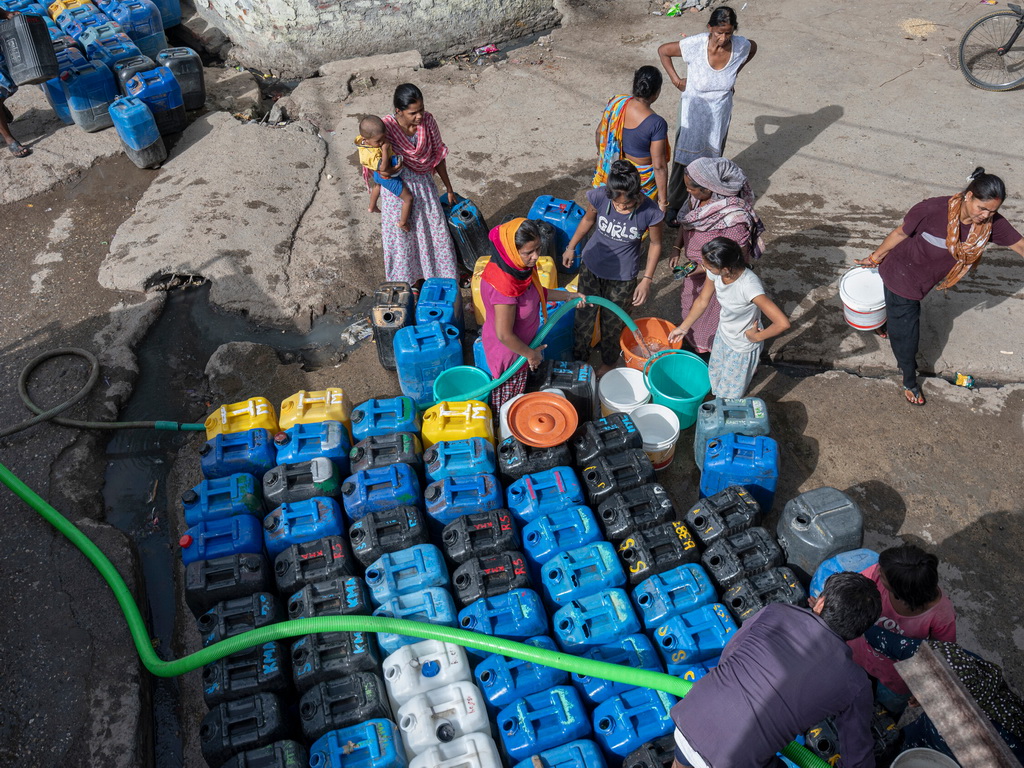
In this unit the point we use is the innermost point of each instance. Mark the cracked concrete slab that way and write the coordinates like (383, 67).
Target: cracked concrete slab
(225, 205)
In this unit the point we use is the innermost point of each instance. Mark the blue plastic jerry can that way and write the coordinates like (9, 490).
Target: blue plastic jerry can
(582, 571)
(564, 216)
(541, 721)
(554, 532)
(456, 496)
(380, 489)
(634, 651)
(594, 620)
(533, 495)
(300, 522)
(237, 535)
(383, 417)
(304, 442)
(405, 571)
(458, 458)
(626, 721)
(503, 679)
(432, 605)
(422, 352)
(582, 753)
(559, 340)
(238, 494)
(695, 636)
(856, 560)
(440, 301)
(673, 593)
(752, 462)
(480, 356)
(373, 744)
(518, 614)
(251, 452)
(743, 416)
(694, 672)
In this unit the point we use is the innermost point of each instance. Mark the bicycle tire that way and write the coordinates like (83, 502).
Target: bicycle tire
(978, 64)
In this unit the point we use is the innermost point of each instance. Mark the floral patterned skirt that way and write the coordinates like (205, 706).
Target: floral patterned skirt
(426, 250)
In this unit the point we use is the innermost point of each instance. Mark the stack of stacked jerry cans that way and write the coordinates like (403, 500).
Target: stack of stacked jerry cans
(120, 48)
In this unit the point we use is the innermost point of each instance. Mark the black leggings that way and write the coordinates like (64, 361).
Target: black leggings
(904, 326)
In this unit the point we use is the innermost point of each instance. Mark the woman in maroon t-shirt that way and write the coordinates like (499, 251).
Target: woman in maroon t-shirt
(938, 242)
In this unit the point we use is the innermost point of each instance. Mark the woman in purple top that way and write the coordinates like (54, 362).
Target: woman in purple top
(624, 215)
(938, 242)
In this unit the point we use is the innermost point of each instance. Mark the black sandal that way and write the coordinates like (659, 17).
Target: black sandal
(918, 400)
(18, 150)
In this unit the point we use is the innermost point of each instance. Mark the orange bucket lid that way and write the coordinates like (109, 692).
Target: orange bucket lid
(542, 420)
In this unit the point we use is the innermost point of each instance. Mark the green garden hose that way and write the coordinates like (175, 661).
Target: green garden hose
(50, 414)
(597, 301)
(485, 643)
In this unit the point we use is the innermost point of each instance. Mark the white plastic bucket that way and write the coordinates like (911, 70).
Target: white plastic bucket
(863, 297)
(923, 758)
(622, 390)
(659, 428)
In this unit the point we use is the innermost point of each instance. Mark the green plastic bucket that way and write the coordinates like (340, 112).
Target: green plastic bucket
(457, 382)
(678, 380)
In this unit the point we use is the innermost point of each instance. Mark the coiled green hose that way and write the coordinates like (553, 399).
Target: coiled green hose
(486, 643)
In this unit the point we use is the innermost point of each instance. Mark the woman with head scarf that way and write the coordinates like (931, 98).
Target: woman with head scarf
(720, 204)
(513, 298)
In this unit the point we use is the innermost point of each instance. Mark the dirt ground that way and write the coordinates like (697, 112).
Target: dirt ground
(850, 114)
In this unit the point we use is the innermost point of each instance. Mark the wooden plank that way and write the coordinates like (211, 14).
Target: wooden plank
(957, 716)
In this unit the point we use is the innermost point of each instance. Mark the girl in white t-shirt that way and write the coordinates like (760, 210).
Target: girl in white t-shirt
(739, 339)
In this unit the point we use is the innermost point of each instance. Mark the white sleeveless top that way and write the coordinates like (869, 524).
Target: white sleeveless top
(705, 107)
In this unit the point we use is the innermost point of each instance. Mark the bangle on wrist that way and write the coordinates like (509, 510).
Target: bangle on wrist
(647, 277)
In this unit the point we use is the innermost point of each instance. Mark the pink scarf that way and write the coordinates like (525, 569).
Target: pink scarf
(424, 155)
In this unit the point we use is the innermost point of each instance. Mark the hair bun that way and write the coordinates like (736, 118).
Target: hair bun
(979, 171)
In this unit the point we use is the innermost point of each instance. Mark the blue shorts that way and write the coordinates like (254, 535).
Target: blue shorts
(7, 86)
(393, 185)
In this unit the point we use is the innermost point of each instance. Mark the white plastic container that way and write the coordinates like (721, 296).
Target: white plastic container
(863, 296)
(659, 428)
(622, 390)
(923, 758)
(474, 750)
(424, 666)
(441, 716)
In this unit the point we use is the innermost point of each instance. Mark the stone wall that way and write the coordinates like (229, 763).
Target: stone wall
(294, 37)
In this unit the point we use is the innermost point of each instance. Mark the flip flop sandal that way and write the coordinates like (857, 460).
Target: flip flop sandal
(18, 150)
(918, 400)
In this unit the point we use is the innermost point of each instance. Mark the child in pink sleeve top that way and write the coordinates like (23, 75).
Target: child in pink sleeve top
(912, 605)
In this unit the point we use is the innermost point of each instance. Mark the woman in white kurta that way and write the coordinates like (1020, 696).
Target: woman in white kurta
(713, 60)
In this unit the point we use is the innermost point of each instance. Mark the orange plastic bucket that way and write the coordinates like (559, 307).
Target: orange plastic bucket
(655, 332)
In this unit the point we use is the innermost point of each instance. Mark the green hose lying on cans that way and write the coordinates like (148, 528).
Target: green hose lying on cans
(486, 643)
(597, 301)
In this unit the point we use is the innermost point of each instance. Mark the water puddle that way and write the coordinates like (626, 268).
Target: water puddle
(172, 359)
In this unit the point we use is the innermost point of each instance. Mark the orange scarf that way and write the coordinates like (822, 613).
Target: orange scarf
(506, 271)
(967, 252)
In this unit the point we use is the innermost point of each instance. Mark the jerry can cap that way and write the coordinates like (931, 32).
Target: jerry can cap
(185, 541)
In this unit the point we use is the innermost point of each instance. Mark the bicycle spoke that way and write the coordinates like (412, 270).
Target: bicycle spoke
(979, 56)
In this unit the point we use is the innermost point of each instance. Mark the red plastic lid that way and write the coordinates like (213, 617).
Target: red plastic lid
(542, 420)
(185, 541)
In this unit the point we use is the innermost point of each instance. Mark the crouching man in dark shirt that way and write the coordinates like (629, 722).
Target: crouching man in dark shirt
(786, 670)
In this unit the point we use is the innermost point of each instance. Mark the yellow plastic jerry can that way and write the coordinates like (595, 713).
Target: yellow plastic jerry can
(254, 413)
(478, 304)
(311, 407)
(457, 420)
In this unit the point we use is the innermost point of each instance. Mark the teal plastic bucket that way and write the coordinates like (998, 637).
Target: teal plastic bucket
(458, 382)
(678, 380)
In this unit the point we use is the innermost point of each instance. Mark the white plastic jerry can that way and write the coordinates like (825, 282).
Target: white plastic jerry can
(474, 750)
(441, 716)
(424, 666)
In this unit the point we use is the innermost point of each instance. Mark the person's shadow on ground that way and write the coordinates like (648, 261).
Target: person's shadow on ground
(772, 149)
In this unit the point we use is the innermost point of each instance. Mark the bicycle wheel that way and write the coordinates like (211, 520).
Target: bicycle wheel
(981, 64)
